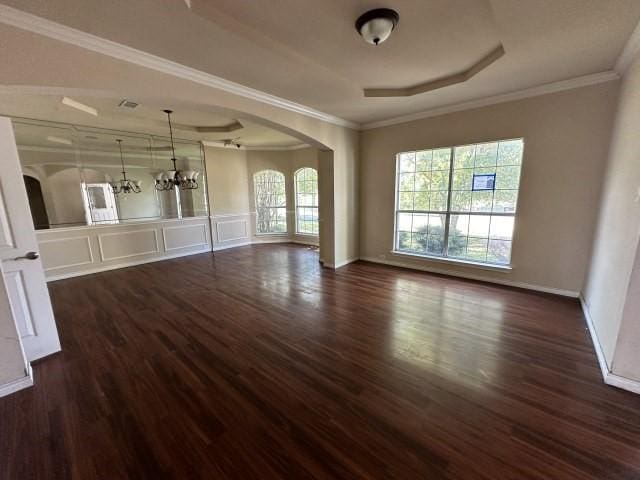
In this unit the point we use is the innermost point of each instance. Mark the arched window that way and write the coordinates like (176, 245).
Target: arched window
(306, 183)
(271, 202)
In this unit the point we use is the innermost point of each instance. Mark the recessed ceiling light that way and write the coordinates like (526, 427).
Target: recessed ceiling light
(79, 106)
(376, 25)
(54, 139)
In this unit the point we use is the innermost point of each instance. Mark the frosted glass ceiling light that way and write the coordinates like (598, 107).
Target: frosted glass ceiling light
(375, 26)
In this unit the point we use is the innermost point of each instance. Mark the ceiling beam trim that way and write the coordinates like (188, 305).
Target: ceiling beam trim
(41, 26)
(269, 148)
(429, 86)
(570, 84)
(232, 127)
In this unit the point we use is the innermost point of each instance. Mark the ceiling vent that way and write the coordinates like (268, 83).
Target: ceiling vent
(127, 103)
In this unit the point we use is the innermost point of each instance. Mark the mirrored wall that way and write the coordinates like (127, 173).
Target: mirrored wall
(73, 175)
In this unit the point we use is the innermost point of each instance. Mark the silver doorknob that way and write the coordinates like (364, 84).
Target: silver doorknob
(29, 256)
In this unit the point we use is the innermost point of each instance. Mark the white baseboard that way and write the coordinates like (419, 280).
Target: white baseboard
(602, 361)
(335, 266)
(302, 242)
(267, 239)
(217, 248)
(623, 383)
(608, 376)
(453, 273)
(131, 263)
(24, 382)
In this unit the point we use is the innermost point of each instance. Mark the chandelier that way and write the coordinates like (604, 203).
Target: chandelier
(174, 178)
(124, 185)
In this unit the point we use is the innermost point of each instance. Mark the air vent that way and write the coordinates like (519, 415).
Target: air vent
(127, 103)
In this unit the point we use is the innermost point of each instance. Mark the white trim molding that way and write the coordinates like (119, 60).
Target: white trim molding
(453, 273)
(187, 245)
(623, 383)
(121, 234)
(336, 266)
(130, 263)
(243, 221)
(608, 376)
(554, 87)
(16, 385)
(74, 264)
(630, 50)
(132, 244)
(41, 26)
(217, 248)
(602, 360)
(269, 148)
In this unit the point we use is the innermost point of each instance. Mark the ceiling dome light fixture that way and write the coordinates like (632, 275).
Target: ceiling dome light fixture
(376, 25)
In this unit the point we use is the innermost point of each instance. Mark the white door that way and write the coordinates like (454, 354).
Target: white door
(101, 203)
(15, 373)
(23, 271)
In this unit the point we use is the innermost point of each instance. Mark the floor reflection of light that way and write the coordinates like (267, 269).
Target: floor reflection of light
(447, 330)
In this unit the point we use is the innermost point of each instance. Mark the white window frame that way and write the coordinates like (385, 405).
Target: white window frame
(297, 207)
(284, 207)
(448, 213)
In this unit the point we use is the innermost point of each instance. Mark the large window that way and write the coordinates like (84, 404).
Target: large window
(271, 202)
(459, 202)
(306, 185)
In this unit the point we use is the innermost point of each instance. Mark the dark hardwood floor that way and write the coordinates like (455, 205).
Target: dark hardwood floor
(256, 363)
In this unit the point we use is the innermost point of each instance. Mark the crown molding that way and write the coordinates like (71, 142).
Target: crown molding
(629, 52)
(577, 82)
(218, 144)
(41, 26)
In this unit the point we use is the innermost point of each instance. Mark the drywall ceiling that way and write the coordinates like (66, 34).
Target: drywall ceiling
(308, 51)
(147, 118)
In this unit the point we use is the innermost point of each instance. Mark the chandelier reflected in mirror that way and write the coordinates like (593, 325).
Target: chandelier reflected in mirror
(187, 180)
(125, 185)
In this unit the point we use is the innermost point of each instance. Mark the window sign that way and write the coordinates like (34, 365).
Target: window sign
(484, 182)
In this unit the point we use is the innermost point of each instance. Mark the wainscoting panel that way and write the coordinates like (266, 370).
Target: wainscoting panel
(184, 236)
(66, 252)
(69, 252)
(116, 246)
(237, 229)
(231, 230)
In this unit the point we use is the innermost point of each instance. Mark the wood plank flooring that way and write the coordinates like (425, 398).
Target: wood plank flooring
(256, 363)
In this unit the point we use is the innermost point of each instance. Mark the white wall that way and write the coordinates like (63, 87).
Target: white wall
(611, 285)
(566, 140)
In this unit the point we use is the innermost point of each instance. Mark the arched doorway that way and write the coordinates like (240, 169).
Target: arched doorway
(36, 203)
